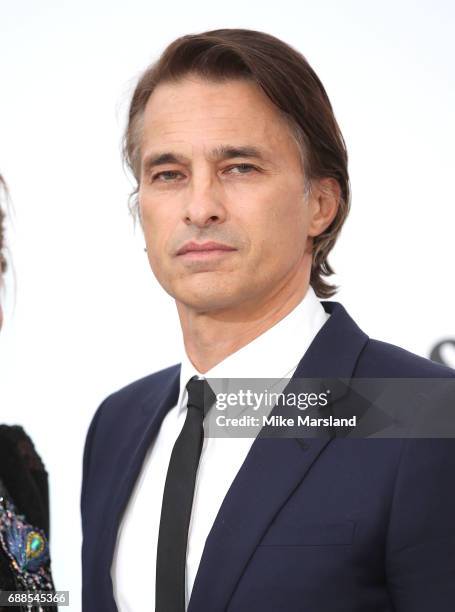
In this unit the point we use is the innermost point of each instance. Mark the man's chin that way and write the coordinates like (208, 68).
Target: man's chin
(207, 301)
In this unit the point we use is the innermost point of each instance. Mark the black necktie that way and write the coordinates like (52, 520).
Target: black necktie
(178, 501)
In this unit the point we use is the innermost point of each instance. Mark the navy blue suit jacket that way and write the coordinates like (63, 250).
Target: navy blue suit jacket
(314, 525)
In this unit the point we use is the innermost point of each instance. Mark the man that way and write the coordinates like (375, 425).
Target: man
(242, 189)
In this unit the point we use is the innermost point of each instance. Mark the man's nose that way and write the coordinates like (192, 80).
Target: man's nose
(205, 202)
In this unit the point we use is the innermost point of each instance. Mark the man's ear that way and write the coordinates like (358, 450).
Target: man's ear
(324, 198)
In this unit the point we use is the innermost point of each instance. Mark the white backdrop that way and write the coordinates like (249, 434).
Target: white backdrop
(88, 317)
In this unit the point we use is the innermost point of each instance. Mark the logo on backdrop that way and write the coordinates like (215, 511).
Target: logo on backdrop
(444, 352)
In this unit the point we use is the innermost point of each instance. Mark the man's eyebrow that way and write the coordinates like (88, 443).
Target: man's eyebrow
(219, 153)
(224, 152)
(159, 159)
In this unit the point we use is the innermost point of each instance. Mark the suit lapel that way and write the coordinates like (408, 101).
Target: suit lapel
(272, 470)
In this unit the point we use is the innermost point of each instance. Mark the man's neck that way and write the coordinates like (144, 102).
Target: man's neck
(211, 337)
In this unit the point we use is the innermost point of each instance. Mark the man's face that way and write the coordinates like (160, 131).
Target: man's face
(218, 163)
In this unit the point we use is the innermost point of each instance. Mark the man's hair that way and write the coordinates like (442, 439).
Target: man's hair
(2, 231)
(290, 83)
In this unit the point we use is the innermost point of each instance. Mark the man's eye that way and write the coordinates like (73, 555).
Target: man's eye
(242, 168)
(166, 176)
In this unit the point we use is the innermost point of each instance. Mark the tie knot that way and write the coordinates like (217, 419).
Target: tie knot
(200, 394)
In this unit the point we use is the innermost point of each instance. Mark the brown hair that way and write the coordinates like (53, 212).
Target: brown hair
(291, 84)
(2, 217)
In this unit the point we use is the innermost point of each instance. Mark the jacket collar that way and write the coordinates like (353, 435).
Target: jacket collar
(336, 348)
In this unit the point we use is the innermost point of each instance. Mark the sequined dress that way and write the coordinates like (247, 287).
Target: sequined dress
(24, 519)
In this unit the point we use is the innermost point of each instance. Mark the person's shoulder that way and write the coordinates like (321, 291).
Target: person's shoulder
(133, 394)
(10, 432)
(383, 359)
(146, 384)
(14, 440)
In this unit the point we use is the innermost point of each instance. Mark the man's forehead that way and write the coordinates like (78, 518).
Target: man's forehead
(212, 129)
(195, 89)
(207, 133)
(212, 122)
(214, 139)
(232, 106)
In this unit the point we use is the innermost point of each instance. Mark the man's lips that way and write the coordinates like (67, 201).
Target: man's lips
(204, 248)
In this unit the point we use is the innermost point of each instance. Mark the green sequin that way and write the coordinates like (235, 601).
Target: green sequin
(35, 545)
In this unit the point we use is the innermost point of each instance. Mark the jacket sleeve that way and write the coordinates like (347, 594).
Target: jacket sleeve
(89, 442)
(420, 552)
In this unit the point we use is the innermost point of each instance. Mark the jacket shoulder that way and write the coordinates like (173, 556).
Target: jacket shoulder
(137, 390)
(382, 359)
(130, 398)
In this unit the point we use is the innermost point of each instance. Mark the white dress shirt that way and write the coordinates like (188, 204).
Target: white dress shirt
(274, 354)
